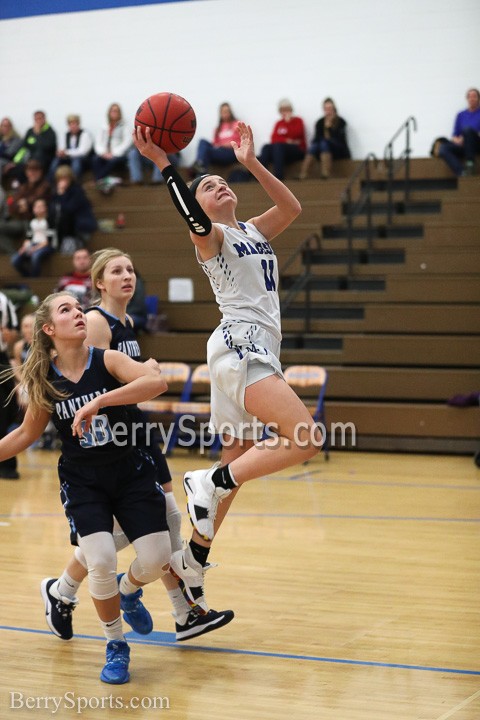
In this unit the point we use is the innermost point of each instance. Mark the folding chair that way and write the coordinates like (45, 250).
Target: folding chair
(302, 377)
(178, 375)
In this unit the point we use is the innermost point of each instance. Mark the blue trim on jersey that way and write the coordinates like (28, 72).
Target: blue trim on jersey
(28, 8)
(87, 366)
(128, 323)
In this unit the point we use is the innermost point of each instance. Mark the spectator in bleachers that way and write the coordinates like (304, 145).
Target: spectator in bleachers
(111, 145)
(10, 144)
(71, 211)
(329, 141)
(75, 149)
(219, 151)
(39, 143)
(20, 206)
(78, 281)
(287, 143)
(38, 245)
(459, 152)
(8, 401)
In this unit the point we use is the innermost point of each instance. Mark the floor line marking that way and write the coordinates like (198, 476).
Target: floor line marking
(140, 640)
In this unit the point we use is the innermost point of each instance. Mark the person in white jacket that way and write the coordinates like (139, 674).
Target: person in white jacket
(111, 145)
(74, 149)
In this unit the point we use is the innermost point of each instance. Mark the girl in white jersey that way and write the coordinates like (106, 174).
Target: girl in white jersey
(243, 352)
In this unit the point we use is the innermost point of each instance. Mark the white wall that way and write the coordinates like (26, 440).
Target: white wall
(381, 61)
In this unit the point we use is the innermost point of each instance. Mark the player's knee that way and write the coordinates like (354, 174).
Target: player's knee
(102, 574)
(153, 557)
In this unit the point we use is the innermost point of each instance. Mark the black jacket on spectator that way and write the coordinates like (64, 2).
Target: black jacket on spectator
(71, 214)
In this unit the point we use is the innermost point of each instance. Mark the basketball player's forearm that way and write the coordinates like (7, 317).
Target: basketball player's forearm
(143, 388)
(276, 190)
(16, 442)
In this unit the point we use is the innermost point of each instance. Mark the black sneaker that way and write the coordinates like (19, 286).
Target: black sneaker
(9, 474)
(200, 624)
(58, 610)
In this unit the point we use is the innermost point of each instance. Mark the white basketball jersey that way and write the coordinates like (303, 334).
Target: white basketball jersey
(244, 278)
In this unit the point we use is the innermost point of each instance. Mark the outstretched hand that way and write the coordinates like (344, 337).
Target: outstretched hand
(246, 150)
(143, 142)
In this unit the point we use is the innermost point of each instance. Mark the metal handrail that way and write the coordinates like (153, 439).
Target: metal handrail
(302, 281)
(354, 208)
(404, 160)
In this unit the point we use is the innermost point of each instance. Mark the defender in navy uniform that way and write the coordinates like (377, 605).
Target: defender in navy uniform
(247, 383)
(85, 392)
(108, 326)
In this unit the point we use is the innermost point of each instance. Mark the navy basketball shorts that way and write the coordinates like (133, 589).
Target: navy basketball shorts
(149, 439)
(127, 489)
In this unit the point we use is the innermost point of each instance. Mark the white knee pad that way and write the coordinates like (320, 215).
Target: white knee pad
(101, 557)
(153, 557)
(80, 557)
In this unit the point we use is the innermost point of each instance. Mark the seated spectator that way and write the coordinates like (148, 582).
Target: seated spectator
(8, 400)
(219, 151)
(465, 143)
(71, 211)
(38, 246)
(20, 206)
(112, 144)
(138, 163)
(20, 352)
(75, 149)
(10, 144)
(137, 307)
(288, 142)
(39, 143)
(78, 281)
(329, 141)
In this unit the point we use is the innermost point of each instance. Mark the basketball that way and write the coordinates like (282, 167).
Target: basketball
(171, 120)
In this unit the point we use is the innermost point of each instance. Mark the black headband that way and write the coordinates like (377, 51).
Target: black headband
(193, 187)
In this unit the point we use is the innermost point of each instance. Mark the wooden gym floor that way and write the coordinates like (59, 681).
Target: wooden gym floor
(355, 585)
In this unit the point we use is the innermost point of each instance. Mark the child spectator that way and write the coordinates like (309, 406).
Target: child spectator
(38, 246)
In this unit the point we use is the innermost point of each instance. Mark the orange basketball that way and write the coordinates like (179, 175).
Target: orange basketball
(171, 120)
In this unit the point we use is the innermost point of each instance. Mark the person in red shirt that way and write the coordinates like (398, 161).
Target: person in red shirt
(288, 142)
(78, 281)
(219, 151)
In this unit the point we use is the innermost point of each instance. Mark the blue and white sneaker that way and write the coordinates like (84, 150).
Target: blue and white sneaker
(115, 670)
(196, 624)
(134, 611)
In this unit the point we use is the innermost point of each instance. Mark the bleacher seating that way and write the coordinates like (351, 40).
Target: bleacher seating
(397, 338)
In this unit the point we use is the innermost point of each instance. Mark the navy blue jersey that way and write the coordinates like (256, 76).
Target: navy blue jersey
(123, 336)
(106, 441)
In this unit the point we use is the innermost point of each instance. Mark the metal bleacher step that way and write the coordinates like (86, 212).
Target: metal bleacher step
(360, 257)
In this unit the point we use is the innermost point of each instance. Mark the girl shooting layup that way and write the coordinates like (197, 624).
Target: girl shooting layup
(243, 352)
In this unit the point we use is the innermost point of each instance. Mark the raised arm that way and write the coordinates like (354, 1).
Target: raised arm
(207, 236)
(272, 222)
